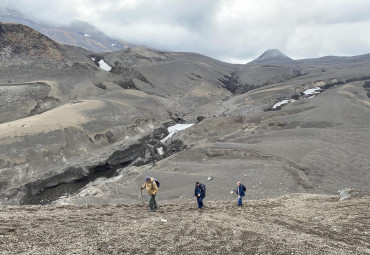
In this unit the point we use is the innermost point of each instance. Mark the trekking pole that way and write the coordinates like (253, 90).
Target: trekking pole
(142, 200)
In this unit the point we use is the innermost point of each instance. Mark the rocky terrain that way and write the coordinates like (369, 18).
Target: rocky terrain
(79, 127)
(293, 224)
(80, 130)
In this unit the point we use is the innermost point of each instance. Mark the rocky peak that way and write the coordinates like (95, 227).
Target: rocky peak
(271, 56)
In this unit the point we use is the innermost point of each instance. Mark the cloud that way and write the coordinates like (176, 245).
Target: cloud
(330, 39)
(234, 30)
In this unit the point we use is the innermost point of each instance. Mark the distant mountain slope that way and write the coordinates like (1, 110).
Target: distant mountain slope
(78, 33)
(19, 41)
(271, 56)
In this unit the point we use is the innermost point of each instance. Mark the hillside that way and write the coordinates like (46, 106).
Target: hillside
(86, 128)
(294, 224)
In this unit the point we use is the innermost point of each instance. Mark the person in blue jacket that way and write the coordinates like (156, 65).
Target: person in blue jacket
(199, 193)
(240, 191)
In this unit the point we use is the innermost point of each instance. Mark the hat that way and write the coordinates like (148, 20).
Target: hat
(147, 178)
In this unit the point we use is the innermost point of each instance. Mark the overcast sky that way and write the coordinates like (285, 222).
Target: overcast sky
(234, 31)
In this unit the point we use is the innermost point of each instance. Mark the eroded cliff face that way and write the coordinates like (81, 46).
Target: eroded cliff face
(73, 132)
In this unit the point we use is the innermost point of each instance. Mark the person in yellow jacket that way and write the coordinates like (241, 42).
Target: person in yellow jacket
(151, 187)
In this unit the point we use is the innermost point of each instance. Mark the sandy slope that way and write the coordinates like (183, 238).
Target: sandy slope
(294, 224)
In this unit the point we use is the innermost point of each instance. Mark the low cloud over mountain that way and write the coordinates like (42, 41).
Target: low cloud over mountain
(78, 33)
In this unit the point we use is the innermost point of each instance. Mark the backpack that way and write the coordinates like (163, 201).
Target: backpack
(244, 188)
(204, 188)
(156, 182)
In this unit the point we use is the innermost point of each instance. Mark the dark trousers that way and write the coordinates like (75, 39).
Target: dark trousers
(152, 203)
(240, 202)
(200, 202)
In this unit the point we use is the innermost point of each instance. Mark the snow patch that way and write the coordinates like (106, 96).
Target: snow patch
(160, 151)
(314, 91)
(103, 65)
(174, 129)
(281, 103)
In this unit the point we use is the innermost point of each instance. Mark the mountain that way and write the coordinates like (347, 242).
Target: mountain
(271, 56)
(78, 33)
(78, 127)
(22, 43)
(84, 35)
(13, 16)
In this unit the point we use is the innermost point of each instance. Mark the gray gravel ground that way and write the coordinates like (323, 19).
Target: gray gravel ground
(293, 224)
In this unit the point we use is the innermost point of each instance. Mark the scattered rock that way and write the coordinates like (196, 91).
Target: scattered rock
(348, 193)
(200, 118)
(209, 178)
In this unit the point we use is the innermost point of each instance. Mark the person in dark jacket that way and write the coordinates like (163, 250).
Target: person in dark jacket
(240, 192)
(199, 193)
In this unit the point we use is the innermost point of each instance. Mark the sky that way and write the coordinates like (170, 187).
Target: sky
(234, 31)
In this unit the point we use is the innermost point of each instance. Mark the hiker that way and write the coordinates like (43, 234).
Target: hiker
(240, 190)
(200, 193)
(152, 188)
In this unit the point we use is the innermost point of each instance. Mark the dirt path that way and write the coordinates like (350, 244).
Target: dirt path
(295, 224)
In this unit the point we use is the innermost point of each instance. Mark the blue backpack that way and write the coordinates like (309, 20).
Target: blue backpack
(156, 182)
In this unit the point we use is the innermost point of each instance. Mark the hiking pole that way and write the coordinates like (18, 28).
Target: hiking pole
(141, 191)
